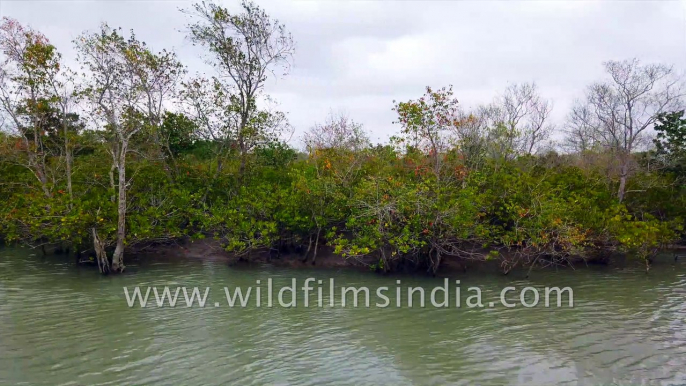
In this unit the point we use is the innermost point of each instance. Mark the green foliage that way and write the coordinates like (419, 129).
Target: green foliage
(376, 205)
(177, 133)
(671, 141)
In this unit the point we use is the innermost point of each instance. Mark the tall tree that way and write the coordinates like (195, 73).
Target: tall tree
(428, 123)
(518, 121)
(64, 88)
(244, 49)
(579, 135)
(27, 74)
(127, 86)
(621, 109)
(204, 101)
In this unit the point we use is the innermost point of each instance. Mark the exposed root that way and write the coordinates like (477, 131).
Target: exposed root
(100, 254)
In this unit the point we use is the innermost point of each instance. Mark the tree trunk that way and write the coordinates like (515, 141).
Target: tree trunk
(69, 184)
(39, 170)
(241, 170)
(316, 245)
(38, 159)
(623, 174)
(241, 141)
(118, 257)
(44, 185)
(68, 159)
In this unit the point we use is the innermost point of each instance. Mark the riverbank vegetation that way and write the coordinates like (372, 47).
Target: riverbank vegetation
(128, 149)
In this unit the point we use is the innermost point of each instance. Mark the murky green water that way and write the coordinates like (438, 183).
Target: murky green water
(63, 325)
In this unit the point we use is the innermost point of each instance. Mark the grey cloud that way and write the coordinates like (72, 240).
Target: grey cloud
(360, 56)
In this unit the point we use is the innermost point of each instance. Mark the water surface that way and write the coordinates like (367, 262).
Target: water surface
(65, 325)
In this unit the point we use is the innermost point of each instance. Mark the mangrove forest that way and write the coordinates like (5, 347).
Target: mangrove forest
(127, 149)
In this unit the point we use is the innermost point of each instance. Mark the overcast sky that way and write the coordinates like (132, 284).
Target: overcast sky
(358, 56)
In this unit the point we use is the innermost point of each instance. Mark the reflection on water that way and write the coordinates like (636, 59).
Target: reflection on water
(63, 325)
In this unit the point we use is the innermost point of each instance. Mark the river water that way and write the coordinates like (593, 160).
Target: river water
(67, 325)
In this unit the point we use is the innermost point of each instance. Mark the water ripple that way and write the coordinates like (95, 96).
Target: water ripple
(63, 325)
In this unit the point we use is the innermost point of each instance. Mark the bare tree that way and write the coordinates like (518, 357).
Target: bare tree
(245, 48)
(339, 131)
(537, 128)
(579, 134)
(515, 123)
(524, 114)
(618, 112)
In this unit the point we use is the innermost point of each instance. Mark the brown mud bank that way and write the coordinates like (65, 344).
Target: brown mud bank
(210, 249)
